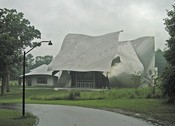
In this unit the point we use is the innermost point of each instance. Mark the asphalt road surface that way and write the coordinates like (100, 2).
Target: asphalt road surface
(58, 115)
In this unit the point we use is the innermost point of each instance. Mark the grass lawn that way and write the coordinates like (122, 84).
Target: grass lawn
(129, 101)
(13, 118)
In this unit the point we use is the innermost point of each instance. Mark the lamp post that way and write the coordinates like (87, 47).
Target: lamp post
(24, 64)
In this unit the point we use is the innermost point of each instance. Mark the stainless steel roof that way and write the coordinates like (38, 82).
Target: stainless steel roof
(86, 53)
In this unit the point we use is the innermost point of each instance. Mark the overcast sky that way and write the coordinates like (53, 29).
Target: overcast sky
(56, 18)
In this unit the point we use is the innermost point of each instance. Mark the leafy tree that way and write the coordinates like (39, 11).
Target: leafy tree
(170, 28)
(169, 83)
(37, 61)
(30, 62)
(152, 80)
(169, 74)
(15, 72)
(160, 61)
(16, 33)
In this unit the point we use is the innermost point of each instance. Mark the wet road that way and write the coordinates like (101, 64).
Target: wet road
(58, 115)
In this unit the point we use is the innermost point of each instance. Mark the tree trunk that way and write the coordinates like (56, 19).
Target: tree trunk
(3, 87)
(7, 81)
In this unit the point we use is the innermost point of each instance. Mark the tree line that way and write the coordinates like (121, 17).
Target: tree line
(31, 63)
(34, 62)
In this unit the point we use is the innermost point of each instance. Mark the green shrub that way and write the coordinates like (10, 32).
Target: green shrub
(73, 95)
(168, 83)
(14, 83)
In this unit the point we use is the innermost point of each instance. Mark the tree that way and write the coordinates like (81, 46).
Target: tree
(160, 61)
(15, 72)
(37, 61)
(16, 33)
(152, 80)
(168, 76)
(30, 62)
(169, 83)
(170, 28)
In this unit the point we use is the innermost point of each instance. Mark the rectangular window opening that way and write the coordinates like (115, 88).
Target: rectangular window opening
(41, 80)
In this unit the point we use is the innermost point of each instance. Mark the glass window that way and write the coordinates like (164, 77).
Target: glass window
(85, 76)
(41, 80)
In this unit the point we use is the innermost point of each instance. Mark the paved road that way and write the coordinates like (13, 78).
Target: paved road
(58, 115)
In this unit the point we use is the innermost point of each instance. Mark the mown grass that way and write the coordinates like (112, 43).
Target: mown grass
(13, 118)
(136, 101)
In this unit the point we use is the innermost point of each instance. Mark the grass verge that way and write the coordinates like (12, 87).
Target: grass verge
(13, 118)
(127, 101)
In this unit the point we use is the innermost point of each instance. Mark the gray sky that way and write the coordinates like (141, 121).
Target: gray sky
(56, 18)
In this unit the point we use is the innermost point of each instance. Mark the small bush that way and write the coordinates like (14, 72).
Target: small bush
(14, 83)
(73, 95)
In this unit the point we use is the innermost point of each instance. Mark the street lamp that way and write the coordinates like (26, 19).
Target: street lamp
(24, 63)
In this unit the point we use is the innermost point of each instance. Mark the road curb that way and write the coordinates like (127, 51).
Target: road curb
(37, 121)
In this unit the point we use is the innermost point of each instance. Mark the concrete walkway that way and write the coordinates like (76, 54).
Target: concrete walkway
(58, 115)
(78, 89)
